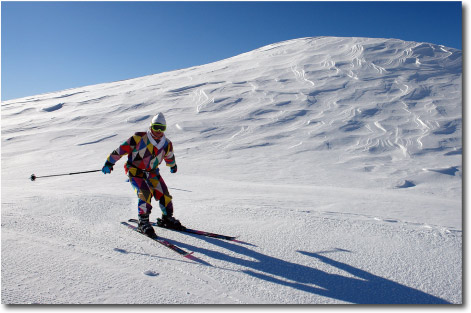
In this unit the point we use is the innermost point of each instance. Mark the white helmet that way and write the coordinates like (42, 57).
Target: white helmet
(159, 119)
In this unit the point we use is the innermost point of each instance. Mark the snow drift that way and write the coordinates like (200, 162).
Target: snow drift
(338, 161)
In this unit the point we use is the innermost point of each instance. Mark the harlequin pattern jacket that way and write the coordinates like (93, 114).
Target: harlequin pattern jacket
(144, 153)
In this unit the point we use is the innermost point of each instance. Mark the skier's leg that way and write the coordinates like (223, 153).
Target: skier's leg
(162, 195)
(165, 201)
(144, 193)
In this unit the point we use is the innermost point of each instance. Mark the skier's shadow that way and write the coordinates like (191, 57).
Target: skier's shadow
(364, 288)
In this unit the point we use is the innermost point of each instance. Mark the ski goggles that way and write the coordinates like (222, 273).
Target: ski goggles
(158, 127)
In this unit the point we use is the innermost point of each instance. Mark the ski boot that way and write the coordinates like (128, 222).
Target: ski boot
(169, 222)
(145, 227)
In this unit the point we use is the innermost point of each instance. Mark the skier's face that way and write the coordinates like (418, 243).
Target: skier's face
(157, 134)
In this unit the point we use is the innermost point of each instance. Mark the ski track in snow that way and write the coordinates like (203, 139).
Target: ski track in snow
(336, 162)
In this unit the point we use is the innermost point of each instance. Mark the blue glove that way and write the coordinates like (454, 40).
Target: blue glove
(107, 168)
(173, 169)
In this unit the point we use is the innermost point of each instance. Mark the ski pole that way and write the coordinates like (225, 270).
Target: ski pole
(33, 177)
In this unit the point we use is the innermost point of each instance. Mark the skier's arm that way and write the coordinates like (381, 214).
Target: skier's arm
(169, 156)
(123, 149)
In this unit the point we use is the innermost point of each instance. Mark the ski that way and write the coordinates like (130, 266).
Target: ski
(161, 241)
(194, 231)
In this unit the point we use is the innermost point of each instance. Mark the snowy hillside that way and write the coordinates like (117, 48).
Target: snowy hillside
(336, 161)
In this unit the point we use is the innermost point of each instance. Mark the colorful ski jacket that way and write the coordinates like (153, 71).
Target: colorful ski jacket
(144, 153)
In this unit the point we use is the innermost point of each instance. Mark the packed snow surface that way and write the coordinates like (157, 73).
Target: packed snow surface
(336, 161)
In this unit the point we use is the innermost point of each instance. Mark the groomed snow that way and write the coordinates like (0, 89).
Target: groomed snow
(336, 161)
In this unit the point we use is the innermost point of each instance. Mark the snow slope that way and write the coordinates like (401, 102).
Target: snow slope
(337, 162)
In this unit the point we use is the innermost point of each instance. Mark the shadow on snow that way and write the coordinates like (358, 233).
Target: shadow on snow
(364, 288)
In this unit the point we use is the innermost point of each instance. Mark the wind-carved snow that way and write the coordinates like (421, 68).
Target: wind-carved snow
(52, 107)
(337, 160)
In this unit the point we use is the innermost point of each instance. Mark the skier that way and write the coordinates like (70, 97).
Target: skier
(146, 150)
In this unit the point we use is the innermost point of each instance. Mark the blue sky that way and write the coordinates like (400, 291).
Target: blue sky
(51, 46)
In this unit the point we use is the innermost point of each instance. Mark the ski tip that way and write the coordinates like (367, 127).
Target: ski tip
(189, 255)
(243, 243)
